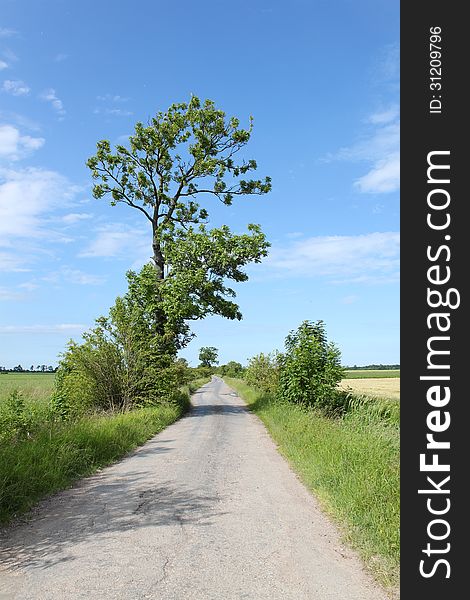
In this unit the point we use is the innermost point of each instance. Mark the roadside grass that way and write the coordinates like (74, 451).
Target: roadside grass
(350, 463)
(59, 453)
(370, 373)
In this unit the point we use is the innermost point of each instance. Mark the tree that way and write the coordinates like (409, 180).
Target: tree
(208, 355)
(311, 368)
(184, 154)
(231, 369)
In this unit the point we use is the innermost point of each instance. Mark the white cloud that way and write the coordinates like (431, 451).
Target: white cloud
(60, 57)
(69, 328)
(72, 218)
(50, 95)
(11, 263)
(113, 112)
(112, 98)
(74, 276)
(3, 65)
(27, 198)
(14, 146)
(383, 178)
(385, 116)
(367, 258)
(7, 295)
(5, 32)
(116, 240)
(21, 120)
(381, 149)
(16, 87)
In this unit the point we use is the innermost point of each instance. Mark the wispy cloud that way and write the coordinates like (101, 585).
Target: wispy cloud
(28, 197)
(73, 218)
(6, 33)
(380, 147)
(383, 177)
(16, 87)
(20, 120)
(112, 110)
(74, 276)
(116, 240)
(367, 258)
(3, 65)
(112, 98)
(60, 57)
(50, 95)
(387, 115)
(8, 295)
(64, 328)
(14, 146)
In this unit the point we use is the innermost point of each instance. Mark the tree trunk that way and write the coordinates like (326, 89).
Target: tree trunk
(158, 257)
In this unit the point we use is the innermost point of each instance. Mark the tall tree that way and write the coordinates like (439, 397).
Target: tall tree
(183, 154)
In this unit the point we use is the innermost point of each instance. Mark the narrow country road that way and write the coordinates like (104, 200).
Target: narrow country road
(207, 510)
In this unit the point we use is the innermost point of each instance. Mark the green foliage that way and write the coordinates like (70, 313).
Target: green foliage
(310, 368)
(60, 453)
(262, 372)
(127, 360)
(198, 263)
(208, 356)
(183, 154)
(231, 369)
(14, 421)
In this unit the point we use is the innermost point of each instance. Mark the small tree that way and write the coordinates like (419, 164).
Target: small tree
(311, 367)
(208, 355)
(263, 372)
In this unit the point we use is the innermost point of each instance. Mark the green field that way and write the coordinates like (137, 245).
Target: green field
(371, 373)
(34, 386)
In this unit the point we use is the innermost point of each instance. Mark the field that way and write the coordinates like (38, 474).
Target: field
(376, 387)
(370, 373)
(34, 386)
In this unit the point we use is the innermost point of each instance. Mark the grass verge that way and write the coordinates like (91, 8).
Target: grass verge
(371, 373)
(60, 453)
(352, 466)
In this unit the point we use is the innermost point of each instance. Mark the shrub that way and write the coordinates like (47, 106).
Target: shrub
(262, 372)
(231, 369)
(310, 369)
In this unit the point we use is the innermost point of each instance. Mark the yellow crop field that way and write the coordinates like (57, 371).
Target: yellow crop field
(380, 387)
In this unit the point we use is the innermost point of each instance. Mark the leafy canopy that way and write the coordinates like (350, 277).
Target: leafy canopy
(188, 152)
(310, 367)
(208, 355)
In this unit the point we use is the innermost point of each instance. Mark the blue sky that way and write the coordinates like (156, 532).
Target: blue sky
(321, 80)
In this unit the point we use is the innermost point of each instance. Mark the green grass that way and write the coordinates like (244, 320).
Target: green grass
(352, 466)
(57, 454)
(33, 386)
(370, 373)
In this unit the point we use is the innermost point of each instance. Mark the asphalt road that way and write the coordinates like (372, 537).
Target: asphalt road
(207, 510)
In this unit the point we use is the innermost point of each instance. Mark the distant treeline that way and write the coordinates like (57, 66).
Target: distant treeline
(32, 369)
(373, 367)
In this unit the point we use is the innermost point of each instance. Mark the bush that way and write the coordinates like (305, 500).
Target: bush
(231, 369)
(310, 369)
(263, 372)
